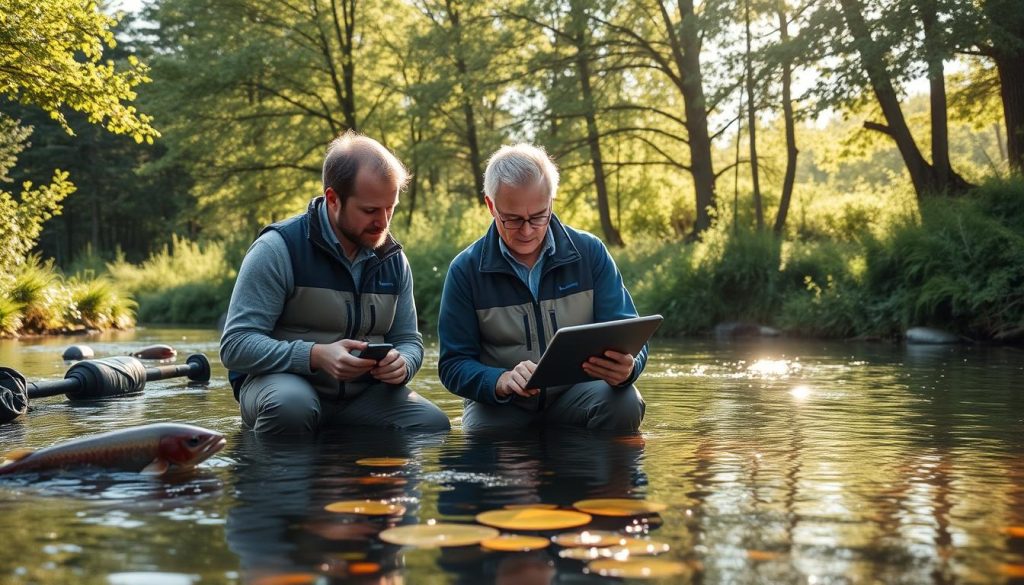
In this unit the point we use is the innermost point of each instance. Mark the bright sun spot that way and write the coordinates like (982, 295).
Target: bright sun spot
(800, 392)
(769, 367)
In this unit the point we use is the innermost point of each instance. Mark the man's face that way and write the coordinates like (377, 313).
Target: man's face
(520, 205)
(364, 219)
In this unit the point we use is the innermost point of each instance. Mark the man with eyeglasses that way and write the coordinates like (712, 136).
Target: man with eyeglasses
(506, 295)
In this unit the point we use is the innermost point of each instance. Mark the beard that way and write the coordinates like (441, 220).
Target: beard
(366, 239)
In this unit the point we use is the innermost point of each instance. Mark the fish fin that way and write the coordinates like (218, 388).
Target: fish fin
(15, 455)
(157, 467)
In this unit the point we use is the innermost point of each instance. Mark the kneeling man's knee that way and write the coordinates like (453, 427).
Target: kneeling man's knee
(281, 405)
(621, 410)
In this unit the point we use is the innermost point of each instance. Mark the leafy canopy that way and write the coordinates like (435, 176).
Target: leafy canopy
(51, 56)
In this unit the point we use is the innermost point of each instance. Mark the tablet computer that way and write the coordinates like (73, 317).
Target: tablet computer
(571, 346)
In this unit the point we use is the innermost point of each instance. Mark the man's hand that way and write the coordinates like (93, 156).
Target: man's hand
(392, 369)
(614, 367)
(514, 381)
(337, 360)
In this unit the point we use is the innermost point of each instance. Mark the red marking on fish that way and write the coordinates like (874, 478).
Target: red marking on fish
(156, 448)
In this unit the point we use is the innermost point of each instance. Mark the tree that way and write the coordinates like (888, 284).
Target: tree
(672, 45)
(1002, 40)
(52, 56)
(23, 217)
(250, 108)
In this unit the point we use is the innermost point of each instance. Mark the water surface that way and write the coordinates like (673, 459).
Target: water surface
(780, 462)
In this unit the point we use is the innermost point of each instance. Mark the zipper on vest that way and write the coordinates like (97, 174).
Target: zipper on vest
(554, 322)
(351, 320)
(373, 319)
(526, 330)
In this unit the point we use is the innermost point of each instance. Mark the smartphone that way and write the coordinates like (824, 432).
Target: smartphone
(373, 351)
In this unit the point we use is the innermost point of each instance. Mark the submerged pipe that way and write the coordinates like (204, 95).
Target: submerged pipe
(110, 377)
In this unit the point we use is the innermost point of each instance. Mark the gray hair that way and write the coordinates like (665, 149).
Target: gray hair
(521, 165)
(352, 151)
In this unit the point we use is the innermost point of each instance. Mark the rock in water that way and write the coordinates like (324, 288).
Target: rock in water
(930, 335)
(78, 352)
(155, 352)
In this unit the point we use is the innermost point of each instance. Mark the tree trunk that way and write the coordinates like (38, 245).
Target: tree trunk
(1011, 81)
(579, 36)
(921, 173)
(752, 124)
(344, 30)
(475, 164)
(787, 112)
(686, 54)
(937, 92)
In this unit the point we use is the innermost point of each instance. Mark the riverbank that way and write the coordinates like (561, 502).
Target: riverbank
(957, 265)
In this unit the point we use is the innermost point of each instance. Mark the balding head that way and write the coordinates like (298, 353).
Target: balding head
(351, 152)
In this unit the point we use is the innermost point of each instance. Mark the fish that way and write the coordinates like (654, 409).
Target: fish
(155, 352)
(154, 449)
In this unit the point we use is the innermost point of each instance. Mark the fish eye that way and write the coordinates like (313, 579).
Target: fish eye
(193, 441)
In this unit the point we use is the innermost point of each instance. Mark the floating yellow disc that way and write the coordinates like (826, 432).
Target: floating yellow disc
(287, 579)
(363, 568)
(515, 543)
(583, 553)
(538, 505)
(533, 519)
(366, 508)
(637, 568)
(618, 507)
(380, 480)
(588, 538)
(437, 535)
(641, 547)
(382, 462)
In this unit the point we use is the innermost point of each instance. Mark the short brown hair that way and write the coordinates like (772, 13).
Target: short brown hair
(350, 152)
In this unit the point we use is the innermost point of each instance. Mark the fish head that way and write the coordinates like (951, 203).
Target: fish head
(188, 446)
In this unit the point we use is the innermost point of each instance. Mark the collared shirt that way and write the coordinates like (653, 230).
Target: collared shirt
(530, 276)
(355, 266)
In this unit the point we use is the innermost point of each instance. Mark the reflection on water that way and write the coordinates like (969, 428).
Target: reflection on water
(780, 462)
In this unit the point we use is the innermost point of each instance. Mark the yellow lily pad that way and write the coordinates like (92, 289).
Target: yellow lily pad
(382, 461)
(441, 534)
(533, 519)
(538, 505)
(637, 568)
(584, 553)
(642, 546)
(366, 508)
(588, 538)
(287, 579)
(619, 507)
(363, 568)
(515, 543)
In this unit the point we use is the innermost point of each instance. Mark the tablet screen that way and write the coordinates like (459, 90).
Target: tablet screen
(571, 346)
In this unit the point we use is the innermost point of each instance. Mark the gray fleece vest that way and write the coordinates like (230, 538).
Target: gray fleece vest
(326, 305)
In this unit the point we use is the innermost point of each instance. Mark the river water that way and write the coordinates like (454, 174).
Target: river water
(779, 462)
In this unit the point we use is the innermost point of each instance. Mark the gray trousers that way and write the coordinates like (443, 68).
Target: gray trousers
(591, 405)
(287, 404)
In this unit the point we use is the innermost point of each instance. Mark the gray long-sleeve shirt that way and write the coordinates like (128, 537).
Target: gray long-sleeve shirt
(265, 281)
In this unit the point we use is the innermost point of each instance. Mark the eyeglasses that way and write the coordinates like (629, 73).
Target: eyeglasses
(519, 222)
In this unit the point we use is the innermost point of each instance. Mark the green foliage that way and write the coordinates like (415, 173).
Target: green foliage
(40, 291)
(22, 217)
(98, 304)
(186, 282)
(10, 317)
(961, 266)
(52, 56)
(37, 299)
